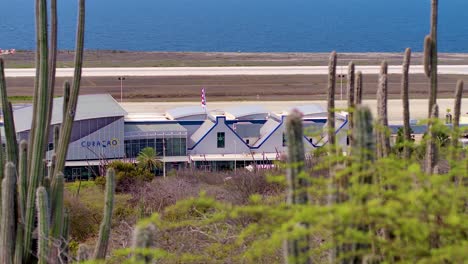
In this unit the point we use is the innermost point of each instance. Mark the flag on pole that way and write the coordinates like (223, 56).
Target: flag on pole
(203, 98)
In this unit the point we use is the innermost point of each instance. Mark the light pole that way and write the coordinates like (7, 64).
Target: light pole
(341, 76)
(235, 156)
(121, 79)
(341, 82)
(164, 155)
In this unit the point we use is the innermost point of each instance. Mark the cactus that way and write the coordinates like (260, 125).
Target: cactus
(364, 143)
(331, 99)
(8, 226)
(31, 162)
(104, 230)
(43, 215)
(363, 155)
(456, 120)
(65, 236)
(430, 56)
(144, 238)
(67, 124)
(57, 218)
(383, 146)
(1, 166)
(38, 143)
(22, 191)
(431, 148)
(351, 101)
(427, 56)
(10, 134)
(358, 89)
(66, 100)
(405, 98)
(295, 251)
(52, 60)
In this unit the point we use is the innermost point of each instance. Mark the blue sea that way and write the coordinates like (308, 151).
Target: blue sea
(245, 25)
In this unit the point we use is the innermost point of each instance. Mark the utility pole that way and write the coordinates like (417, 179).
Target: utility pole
(164, 155)
(121, 79)
(235, 156)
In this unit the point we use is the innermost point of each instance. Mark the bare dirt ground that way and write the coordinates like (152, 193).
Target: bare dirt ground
(234, 88)
(230, 88)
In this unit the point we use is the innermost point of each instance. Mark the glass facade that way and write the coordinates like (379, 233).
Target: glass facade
(174, 146)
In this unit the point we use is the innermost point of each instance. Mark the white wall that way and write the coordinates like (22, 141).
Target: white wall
(208, 144)
(107, 142)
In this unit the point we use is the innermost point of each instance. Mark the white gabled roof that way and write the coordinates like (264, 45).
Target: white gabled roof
(202, 131)
(266, 131)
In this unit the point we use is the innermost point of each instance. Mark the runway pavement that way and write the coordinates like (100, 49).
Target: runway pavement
(418, 107)
(227, 71)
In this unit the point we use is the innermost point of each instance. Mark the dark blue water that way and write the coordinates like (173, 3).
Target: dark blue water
(245, 25)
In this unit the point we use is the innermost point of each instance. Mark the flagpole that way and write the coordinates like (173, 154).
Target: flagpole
(203, 99)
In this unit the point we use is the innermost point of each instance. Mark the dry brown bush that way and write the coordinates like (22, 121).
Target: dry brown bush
(231, 187)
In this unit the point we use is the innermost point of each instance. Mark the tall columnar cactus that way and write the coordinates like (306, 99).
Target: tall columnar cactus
(456, 119)
(427, 56)
(383, 145)
(351, 101)
(331, 99)
(431, 147)
(295, 251)
(21, 193)
(31, 165)
(432, 55)
(67, 123)
(364, 142)
(104, 230)
(66, 100)
(64, 251)
(405, 98)
(38, 142)
(358, 89)
(57, 217)
(42, 225)
(363, 155)
(8, 218)
(52, 61)
(144, 238)
(10, 134)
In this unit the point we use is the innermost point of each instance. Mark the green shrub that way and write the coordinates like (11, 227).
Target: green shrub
(393, 212)
(128, 175)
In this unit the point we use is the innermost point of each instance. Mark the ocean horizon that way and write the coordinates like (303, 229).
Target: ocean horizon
(245, 26)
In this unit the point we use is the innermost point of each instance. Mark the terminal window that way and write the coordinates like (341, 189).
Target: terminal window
(220, 139)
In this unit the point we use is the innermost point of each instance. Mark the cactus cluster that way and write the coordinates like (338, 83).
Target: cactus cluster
(296, 250)
(368, 143)
(405, 98)
(32, 201)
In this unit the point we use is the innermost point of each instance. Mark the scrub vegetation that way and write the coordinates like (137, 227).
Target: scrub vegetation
(378, 203)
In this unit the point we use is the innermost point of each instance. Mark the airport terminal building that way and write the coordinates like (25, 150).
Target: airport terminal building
(189, 136)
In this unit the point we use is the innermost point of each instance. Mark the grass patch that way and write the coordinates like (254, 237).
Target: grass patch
(72, 187)
(20, 99)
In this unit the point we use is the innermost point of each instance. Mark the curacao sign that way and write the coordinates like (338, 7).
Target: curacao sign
(114, 142)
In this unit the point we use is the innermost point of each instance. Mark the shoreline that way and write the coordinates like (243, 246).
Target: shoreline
(121, 58)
